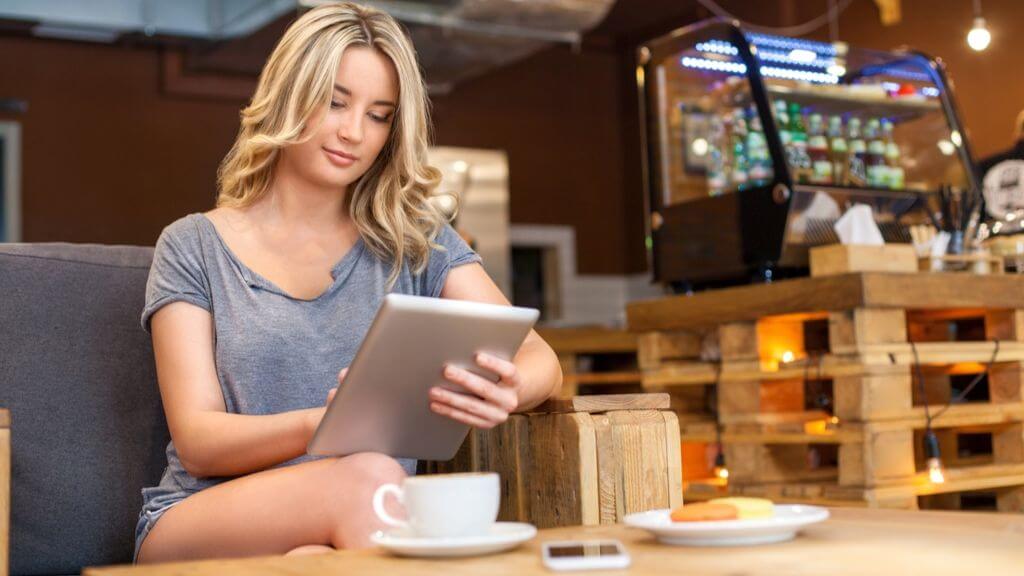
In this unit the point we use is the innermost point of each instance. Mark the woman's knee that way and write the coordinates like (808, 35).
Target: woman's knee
(368, 470)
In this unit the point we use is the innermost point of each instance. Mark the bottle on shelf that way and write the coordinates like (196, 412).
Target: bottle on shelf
(875, 158)
(799, 161)
(818, 151)
(740, 167)
(717, 176)
(895, 173)
(839, 153)
(857, 174)
(782, 121)
(759, 160)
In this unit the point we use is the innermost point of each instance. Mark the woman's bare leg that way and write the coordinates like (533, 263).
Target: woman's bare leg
(325, 502)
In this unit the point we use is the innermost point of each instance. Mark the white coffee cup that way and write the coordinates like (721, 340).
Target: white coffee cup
(444, 505)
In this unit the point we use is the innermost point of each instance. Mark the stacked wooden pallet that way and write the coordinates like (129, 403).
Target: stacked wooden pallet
(823, 386)
(594, 358)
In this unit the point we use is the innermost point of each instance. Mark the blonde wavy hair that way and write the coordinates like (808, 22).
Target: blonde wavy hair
(391, 204)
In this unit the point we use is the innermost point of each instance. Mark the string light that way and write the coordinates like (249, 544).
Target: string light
(721, 471)
(934, 460)
(979, 37)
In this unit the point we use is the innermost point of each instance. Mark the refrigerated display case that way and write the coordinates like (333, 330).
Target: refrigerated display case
(754, 145)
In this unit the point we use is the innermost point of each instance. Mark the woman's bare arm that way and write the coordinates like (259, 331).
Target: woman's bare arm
(210, 441)
(536, 362)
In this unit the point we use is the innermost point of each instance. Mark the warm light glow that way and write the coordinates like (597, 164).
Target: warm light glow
(460, 166)
(699, 147)
(946, 147)
(721, 472)
(979, 37)
(833, 422)
(935, 473)
(788, 356)
(955, 137)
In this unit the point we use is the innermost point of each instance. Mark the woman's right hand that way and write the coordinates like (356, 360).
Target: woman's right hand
(315, 415)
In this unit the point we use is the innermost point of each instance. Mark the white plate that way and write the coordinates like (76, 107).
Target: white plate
(502, 536)
(788, 520)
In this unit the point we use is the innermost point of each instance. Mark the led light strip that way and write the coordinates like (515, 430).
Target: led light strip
(717, 47)
(771, 71)
(784, 43)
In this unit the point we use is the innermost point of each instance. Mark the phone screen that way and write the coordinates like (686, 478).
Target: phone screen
(584, 550)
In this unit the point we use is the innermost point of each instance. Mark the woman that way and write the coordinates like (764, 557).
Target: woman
(255, 306)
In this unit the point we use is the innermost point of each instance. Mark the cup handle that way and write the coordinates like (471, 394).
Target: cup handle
(378, 505)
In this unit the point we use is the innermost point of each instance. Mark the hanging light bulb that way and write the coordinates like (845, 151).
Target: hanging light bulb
(934, 462)
(979, 36)
(720, 470)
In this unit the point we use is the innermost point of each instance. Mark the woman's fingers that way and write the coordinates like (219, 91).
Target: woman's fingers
(465, 403)
(341, 375)
(461, 415)
(507, 370)
(503, 397)
(330, 395)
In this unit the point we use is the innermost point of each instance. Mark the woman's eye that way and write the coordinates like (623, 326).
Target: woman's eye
(335, 104)
(381, 119)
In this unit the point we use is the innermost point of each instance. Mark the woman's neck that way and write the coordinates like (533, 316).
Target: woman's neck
(291, 203)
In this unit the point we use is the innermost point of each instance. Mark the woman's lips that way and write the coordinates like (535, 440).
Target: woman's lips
(339, 158)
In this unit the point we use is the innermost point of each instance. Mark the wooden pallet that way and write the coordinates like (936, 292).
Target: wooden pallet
(856, 338)
(579, 347)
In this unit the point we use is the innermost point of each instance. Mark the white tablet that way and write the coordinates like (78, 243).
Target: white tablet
(384, 404)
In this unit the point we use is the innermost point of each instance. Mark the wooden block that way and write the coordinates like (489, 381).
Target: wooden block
(1008, 444)
(504, 449)
(843, 259)
(738, 341)
(1006, 325)
(610, 503)
(1010, 500)
(673, 452)
(1005, 383)
(851, 330)
(883, 456)
(739, 398)
(562, 469)
(654, 348)
(872, 396)
(5, 491)
(604, 403)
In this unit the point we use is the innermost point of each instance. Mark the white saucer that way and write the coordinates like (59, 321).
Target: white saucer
(788, 520)
(501, 536)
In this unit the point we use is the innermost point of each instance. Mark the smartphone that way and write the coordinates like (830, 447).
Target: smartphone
(584, 555)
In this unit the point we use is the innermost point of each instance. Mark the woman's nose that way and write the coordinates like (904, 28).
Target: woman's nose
(351, 128)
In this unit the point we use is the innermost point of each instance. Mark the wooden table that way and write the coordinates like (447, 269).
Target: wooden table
(854, 542)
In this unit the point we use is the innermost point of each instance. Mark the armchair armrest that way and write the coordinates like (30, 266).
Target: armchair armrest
(5, 490)
(582, 460)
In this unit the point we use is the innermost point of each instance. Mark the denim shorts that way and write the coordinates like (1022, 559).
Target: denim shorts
(156, 501)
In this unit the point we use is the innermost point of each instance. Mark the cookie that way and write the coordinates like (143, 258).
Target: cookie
(704, 512)
(748, 507)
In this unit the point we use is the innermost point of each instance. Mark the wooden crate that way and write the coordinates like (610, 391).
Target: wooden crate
(586, 460)
(761, 348)
(580, 348)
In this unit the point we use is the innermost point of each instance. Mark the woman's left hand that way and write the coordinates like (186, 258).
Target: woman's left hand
(488, 403)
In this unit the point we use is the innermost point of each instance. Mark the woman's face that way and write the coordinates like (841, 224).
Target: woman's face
(350, 133)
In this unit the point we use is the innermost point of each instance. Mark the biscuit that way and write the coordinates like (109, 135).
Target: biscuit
(704, 512)
(748, 507)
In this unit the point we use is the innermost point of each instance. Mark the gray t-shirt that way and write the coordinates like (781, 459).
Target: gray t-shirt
(273, 352)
